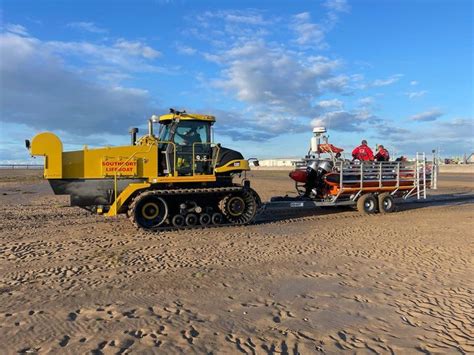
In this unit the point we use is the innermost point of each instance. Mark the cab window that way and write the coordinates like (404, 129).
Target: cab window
(165, 132)
(190, 132)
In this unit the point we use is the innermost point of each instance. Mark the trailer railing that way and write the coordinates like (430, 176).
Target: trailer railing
(410, 177)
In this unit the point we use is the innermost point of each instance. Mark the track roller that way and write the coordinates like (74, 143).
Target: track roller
(178, 220)
(191, 219)
(217, 218)
(204, 219)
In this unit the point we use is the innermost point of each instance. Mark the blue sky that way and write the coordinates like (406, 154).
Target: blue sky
(393, 72)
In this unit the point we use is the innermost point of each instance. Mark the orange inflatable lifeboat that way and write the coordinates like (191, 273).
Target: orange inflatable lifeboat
(299, 175)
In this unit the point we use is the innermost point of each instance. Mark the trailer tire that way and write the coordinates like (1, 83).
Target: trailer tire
(367, 203)
(386, 203)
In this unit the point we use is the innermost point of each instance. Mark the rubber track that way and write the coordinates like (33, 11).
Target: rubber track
(175, 192)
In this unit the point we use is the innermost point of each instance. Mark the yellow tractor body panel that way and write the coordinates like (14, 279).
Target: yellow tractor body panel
(177, 179)
(187, 116)
(124, 196)
(139, 161)
(233, 165)
(122, 161)
(50, 146)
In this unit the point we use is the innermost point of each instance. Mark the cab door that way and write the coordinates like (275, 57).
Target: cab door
(192, 140)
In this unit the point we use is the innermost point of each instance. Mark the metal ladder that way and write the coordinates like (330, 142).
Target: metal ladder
(434, 170)
(420, 181)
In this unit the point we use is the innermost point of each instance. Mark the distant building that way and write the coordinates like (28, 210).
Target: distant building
(278, 162)
(470, 159)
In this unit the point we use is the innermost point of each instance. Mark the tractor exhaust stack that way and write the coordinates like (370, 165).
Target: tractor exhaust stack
(133, 135)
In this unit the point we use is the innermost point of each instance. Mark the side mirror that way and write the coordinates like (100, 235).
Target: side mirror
(27, 144)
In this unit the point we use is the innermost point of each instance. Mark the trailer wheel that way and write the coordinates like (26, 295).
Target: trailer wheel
(150, 212)
(367, 204)
(386, 203)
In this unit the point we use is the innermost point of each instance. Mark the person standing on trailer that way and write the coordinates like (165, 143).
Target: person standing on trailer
(363, 152)
(382, 154)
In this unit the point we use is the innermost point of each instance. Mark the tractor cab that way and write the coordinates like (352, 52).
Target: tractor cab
(186, 147)
(184, 143)
(185, 129)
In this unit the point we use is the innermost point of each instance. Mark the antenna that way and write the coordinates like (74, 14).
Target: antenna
(318, 132)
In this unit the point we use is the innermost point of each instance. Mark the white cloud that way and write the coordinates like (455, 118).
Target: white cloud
(136, 48)
(186, 50)
(335, 8)
(339, 83)
(109, 59)
(426, 116)
(331, 104)
(413, 82)
(454, 137)
(248, 19)
(244, 17)
(337, 5)
(259, 127)
(87, 27)
(385, 82)
(344, 121)
(220, 27)
(308, 33)
(41, 91)
(211, 57)
(390, 131)
(312, 34)
(416, 94)
(273, 77)
(17, 29)
(458, 128)
(366, 101)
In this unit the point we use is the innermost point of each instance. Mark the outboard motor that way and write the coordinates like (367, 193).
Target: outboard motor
(315, 173)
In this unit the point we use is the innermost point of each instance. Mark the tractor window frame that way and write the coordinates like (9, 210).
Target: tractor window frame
(165, 132)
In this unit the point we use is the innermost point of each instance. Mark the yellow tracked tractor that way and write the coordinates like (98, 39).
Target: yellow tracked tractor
(177, 178)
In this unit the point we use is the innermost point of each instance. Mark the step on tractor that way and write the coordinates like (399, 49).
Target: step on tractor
(173, 177)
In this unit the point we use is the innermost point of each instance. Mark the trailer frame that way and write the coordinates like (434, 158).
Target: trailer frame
(401, 179)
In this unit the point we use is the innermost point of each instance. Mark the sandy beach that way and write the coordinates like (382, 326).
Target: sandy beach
(333, 281)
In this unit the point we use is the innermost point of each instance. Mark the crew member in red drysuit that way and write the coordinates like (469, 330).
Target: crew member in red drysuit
(382, 154)
(363, 152)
